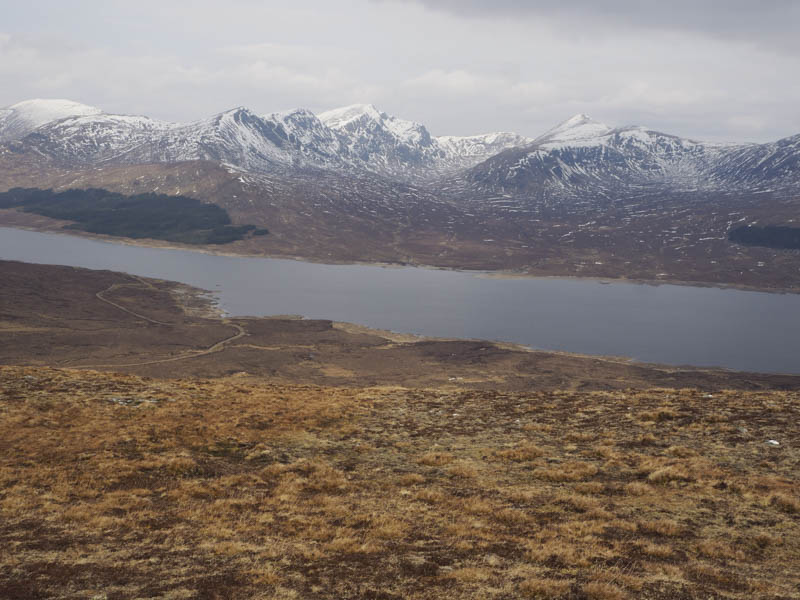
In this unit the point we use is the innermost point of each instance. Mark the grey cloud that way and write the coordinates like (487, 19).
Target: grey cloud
(766, 22)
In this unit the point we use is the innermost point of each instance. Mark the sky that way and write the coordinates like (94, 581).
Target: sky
(723, 70)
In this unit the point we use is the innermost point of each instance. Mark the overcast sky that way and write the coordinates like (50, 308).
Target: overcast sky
(709, 69)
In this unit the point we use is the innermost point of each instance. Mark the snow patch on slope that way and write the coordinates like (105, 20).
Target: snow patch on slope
(481, 145)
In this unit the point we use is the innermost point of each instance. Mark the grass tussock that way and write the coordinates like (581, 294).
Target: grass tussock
(568, 471)
(785, 503)
(668, 474)
(522, 452)
(662, 527)
(435, 459)
(228, 489)
(544, 589)
(603, 591)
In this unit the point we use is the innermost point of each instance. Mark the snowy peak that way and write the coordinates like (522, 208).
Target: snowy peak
(310, 138)
(582, 157)
(397, 147)
(301, 124)
(375, 141)
(20, 119)
(44, 111)
(296, 115)
(235, 116)
(360, 119)
(339, 118)
(577, 128)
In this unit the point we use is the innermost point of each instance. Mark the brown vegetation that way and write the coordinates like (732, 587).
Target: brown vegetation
(115, 486)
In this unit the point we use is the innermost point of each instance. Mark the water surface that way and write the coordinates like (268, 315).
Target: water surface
(737, 329)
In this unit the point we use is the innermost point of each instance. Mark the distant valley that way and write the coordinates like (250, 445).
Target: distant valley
(356, 184)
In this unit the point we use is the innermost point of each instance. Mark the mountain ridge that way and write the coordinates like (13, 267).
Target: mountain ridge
(578, 157)
(357, 137)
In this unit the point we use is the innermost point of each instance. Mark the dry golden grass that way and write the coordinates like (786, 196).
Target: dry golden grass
(657, 551)
(786, 503)
(523, 451)
(463, 468)
(568, 471)
(544, 589)
(222, 489)
(662, 527)
(670, 473)
(637, 488)
(435, 459)
(603, 591)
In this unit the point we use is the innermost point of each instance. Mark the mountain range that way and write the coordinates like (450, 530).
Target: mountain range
(357, 138)
(576, 157)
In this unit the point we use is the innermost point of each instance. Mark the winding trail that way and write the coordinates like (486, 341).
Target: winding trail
(216, 347)
(116, 286)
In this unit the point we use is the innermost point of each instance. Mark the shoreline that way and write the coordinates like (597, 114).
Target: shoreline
(198, 303)
(484, 273)
(410, 338)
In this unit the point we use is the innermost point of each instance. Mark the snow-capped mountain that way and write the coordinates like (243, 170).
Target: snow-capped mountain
(356, 139)
(577, 129)
(760, 166)
(20, 119)
(308, 135)
(406, 149)
(386, 143)
(577, 158)
(94, 139)
(582, 156)
(244, 141)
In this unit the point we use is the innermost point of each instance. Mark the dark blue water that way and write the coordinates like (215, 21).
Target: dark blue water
(682, 325)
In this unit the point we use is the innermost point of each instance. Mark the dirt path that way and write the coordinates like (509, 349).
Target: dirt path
(116, 286)
(217, 347)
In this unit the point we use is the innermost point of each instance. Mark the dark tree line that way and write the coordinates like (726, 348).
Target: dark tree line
(155, 216)
(769, 236)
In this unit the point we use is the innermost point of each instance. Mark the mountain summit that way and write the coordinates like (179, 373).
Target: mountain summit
(366, 118)
(578, 127)
(18, 120)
